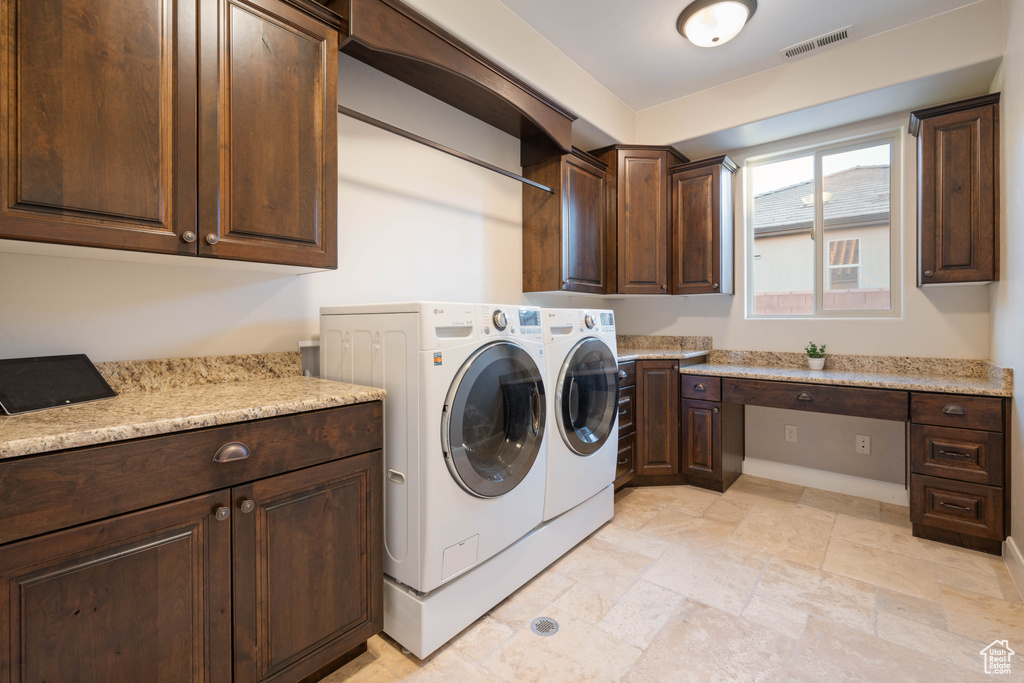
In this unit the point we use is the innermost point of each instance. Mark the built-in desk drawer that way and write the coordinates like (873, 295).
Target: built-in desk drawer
(962, 454)
(627, 374)
(627, 410)
(700, 388)
(957, 506)
(881, 404)
(951, 410)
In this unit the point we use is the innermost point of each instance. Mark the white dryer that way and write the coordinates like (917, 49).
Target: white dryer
(464, 425)
(582, 380)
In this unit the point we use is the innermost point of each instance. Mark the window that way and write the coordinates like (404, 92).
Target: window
(823, 233)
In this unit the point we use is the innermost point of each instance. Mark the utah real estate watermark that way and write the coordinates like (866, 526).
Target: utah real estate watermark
(997, 657)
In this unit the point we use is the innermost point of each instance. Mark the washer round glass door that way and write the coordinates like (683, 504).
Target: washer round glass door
(493, 422)
(588, 396)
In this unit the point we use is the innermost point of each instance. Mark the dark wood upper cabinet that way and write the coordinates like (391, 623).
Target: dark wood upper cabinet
(958, 191)
(702, 227)
(98, 122)
(566, 241)
(637, 214)
(268, 113)
(657, 417)
(202, 127)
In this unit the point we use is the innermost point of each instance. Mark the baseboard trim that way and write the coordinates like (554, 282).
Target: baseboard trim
(828, 481)
(1014, 562)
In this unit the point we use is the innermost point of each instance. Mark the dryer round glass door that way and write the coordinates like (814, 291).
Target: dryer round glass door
(493, 422)
(587, 397)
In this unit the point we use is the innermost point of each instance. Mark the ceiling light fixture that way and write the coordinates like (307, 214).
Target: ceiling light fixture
(707, 23)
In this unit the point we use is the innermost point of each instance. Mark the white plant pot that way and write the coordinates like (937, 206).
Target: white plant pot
(816, 363)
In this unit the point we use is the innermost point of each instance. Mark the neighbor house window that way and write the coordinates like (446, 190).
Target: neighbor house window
(823, 233)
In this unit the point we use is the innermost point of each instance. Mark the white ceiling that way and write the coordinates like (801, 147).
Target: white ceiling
(634, 50)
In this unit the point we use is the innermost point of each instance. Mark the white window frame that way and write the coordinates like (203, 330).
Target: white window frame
(894, 137)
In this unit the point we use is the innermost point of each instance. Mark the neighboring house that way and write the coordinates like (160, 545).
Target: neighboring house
(856, 213)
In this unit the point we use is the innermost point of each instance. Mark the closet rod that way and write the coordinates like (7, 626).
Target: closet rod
(351, 113)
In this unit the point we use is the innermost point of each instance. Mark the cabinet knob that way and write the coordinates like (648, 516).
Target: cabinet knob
(928, 273)
(664, 287)
(189, 237)
(248, 506)
(714, 410)
(212, 239)
(622, 374)
(222, 513)
(804, 396)
(714, 286)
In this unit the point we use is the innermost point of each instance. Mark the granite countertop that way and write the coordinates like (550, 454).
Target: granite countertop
(134, 414)
(654, 347)
(658, 354)
(953, 376)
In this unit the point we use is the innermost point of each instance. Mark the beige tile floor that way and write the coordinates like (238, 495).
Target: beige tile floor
(767, 582)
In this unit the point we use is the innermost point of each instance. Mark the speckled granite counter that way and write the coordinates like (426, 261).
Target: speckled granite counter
(654, 347)
(658, 354)
(949, 375)
(254, 394)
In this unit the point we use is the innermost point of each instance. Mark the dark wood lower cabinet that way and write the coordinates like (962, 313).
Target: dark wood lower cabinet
(276, 578)
(657, 417)
(142, 597)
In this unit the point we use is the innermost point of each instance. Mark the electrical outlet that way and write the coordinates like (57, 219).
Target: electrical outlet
(791, 433)
(864, 444)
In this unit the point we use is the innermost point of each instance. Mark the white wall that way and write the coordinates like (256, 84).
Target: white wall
(413, 224)
(1008, 294)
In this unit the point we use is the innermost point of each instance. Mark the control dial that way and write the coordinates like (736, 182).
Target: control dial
(500, 320)
(590, 321)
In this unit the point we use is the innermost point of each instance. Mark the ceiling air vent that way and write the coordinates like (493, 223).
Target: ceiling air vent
(806, 47)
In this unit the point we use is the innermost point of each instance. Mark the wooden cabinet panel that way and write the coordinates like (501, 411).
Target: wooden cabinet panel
(567, 244)
(701, 440)
(881, 404)
(98, 119)
(657, 387)
(963, 454)
(308, 574)
(642, 223)
(702, 227)
(627, 410)
(700, 388)
(625, 465)
(954, 410)
(268, 154)
(627, 373)
(958, 191)
(957, 506)
(42, 493)
(146, 596)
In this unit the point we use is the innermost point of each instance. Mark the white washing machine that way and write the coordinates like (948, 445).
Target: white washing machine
(583, 394)
(464, 426)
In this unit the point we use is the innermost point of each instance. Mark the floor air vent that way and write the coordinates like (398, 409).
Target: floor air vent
(817, 44)
(544, 626)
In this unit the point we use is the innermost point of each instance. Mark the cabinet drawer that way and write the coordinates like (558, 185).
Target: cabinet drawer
(958, 506)
(627, 374)
(700, 388)
(49, 492)
(963, 454)
(627, 410)
(626, 460)
(951, 410)
(882, 404)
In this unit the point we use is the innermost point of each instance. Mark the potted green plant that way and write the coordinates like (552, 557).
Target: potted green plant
(815, 356)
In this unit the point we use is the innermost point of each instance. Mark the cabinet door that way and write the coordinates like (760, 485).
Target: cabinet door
(657, 388)
(268, 134)
(141, 597)
(701, 436)
(958, 206)
(702, 229)
(587, 255)
(307, 567)
(98, 123)
(642, 219)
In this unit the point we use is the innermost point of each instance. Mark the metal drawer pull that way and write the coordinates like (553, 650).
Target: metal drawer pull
(715, 410)
(623, 411)
(953, 409)
(622, 374)
(222, 513)
(804, 396)
(955, 507)
(954, 454)
(624, 461)
(699, 387)
(396, 476)
(232, 451)
(248, 506)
